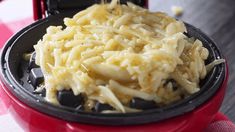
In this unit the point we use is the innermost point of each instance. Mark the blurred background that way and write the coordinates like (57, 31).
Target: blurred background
(214, 17)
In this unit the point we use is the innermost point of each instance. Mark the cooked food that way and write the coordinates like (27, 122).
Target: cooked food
(119, 58)
(177, 10)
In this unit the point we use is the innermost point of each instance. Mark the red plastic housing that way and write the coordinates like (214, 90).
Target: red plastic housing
(32, 120)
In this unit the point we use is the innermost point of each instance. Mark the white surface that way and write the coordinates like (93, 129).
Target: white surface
(8, 124)
(11, 10)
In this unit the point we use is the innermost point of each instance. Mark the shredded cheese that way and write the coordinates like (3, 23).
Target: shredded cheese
(113, 52)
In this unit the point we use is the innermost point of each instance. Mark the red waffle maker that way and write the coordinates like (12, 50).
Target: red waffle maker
(33, 113)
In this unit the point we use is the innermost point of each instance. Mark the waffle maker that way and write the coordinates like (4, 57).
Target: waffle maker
(33, 113)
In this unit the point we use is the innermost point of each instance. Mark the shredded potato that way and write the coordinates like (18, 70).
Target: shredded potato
(113, 52)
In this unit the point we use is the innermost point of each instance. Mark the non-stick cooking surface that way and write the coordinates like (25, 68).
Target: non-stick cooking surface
(13, 71)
